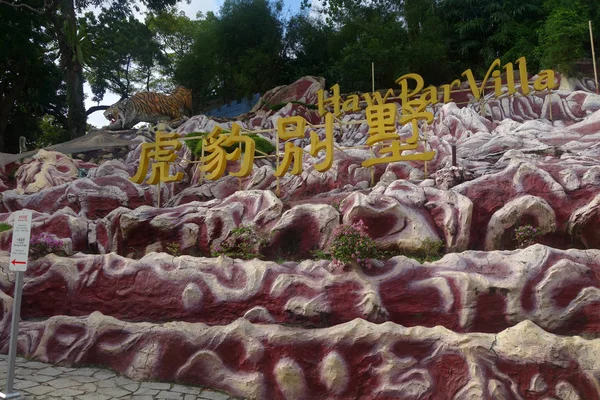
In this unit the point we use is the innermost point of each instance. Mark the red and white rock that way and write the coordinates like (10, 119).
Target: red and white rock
(473, 325)
(353, 360)
(47, 169)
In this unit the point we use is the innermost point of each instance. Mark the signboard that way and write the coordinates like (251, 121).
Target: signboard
(383, 114)
(19, 251)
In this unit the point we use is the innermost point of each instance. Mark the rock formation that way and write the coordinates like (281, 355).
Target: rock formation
(140, 291)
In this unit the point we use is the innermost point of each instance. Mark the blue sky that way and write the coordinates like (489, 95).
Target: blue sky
(97, 119)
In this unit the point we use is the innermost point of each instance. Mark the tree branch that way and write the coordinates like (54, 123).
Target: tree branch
(58, 116)
(96, 108)
(23, 5)
(49, 6)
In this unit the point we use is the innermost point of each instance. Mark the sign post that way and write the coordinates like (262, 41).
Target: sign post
(594, 58)
(19, 253)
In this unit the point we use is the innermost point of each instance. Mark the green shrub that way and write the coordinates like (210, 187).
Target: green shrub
(320, 255)
(351, 243)
(174, 249)
(4, 227)
(431, 250)
(195, 145)
(243, 242)
(262, 144)
(526, 235)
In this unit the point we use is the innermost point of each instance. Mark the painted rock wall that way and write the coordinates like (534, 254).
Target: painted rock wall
(486, 321)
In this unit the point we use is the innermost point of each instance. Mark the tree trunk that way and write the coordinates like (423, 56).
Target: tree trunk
(7, 103)
(74, 72)
(76, 115)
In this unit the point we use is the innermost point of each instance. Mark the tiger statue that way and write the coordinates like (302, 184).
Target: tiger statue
(150, 107)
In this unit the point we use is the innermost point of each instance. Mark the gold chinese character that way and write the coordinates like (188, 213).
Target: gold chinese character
(249, 149)
(413, 111)
(316, 145)
(291, 151)
(162, 152)
(382, 124)
(216, 154)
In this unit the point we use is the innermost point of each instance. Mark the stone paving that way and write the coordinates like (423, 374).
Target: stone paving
(35, 380)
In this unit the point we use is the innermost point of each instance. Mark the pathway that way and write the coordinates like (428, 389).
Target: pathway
(35, 380)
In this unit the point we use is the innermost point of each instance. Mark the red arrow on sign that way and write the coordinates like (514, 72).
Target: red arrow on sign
(15, 262)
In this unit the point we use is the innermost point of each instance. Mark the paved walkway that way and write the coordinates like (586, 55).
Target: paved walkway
(35, 380)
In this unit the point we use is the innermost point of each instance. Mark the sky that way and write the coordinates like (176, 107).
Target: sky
(97, 119)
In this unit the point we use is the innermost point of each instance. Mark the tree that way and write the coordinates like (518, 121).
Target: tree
(238, 53)
(359, 34)
(563, 38)
(489, 29)
(30, 81)
(428, 48)
(174, 32)
(125, 54)
(309, 46)
(59, 17)
(250, 47)
(198, 68)
(375, 36)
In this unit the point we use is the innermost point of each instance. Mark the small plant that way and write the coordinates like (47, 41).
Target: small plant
(351, 243)
(336, 205)
(526, 235)
(44, 243)
(174, 249)
(243, 242)
(320, 255)
(431, 250)
(4, 227)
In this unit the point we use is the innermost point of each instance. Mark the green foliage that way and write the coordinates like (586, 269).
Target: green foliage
(4, 227)
(51, 132)
(125, 54)
(262, 145)
(235, 54)
(174, 32)
(431, 250)
(563, 37)
(30, 80)
(336, 205)
(195, 145)
(43, 49)
(320, 255)
(198, 69)
(526, 235)
(351, 243)
(243, 242)
(251, 46)
(174, 249)
(77, 40)
(484, 30)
